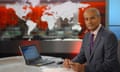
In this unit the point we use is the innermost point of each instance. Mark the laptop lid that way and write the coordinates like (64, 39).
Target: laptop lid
(30, 53)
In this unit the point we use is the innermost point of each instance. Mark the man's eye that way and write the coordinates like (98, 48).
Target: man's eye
(92, 17)
(86, 19)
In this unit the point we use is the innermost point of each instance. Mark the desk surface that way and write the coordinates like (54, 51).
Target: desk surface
(17, 64)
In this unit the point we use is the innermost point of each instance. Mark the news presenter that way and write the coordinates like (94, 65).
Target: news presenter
(102, 56)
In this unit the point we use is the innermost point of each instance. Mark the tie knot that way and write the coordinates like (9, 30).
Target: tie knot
(92, 35)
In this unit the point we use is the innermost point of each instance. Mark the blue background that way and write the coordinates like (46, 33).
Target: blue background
(114, 16)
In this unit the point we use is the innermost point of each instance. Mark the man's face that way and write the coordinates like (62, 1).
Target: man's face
(92, 20)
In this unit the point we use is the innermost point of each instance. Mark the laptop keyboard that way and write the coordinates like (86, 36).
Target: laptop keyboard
(43, 61)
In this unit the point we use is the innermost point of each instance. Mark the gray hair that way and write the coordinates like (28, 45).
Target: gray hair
(93, 10)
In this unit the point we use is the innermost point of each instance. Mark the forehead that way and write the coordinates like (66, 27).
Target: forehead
(90, 14)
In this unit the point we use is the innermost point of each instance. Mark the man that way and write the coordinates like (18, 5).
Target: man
(99, 55)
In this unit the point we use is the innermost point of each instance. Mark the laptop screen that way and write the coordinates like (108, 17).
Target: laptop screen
(30, 52)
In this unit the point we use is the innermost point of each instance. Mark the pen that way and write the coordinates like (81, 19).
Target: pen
(61, 62)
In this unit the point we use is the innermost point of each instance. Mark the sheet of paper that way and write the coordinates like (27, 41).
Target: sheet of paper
(58, 70)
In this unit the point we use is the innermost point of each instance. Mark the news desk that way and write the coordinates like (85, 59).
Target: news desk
(61, 45)
(17, 64)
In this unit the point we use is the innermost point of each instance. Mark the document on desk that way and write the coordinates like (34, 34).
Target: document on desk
(57, 70)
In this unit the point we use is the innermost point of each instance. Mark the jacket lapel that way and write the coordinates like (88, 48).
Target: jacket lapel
(88, 46)
(96, 42)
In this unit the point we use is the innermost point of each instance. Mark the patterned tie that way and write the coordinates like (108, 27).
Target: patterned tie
(91, 42)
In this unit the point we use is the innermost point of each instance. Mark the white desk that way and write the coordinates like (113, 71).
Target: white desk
(17, 64)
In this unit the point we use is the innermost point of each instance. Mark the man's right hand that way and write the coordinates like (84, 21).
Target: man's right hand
(66, 63)
(77, 67)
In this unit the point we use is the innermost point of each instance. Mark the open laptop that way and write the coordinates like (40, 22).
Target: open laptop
(32, 56)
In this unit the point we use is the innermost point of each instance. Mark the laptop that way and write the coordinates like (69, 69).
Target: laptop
(33, 57)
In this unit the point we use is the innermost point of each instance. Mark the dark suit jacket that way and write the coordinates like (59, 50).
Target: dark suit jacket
(104, 54)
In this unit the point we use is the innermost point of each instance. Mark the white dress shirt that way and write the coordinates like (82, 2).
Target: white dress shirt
(96, 31)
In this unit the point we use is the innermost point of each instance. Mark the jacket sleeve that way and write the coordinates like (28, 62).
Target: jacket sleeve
(80, 58)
